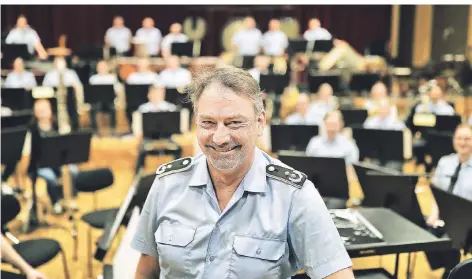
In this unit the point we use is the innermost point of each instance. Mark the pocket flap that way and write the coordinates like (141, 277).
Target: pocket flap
(267, 249)
(174, 234)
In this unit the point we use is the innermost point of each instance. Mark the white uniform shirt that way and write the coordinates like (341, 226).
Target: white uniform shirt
(248, 41)
(341, 147)
(24, 79)
(70, 78)
(152, 38)
(317, 34)
(173, 38)
(177, 78)
(274, 43)
(143, 78)
(98, 79)
(388, 123)
(26, 36)
(119, 38)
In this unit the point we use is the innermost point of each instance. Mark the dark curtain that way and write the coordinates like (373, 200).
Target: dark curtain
(86, 24)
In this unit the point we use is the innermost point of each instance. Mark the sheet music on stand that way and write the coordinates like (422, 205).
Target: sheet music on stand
(355, 229)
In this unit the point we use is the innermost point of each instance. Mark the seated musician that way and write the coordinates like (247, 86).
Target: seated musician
(119, 36)
(378, 97)
(175, 36)
(453, 174)
(333, 144)
(316, 32)
(44, 124)
(103, 77)
(70, 77)
(144, 75)
(19, 77)
(274, 41)
(384, 119)
(302, 115)
(323, 103)
(156, 103)
(261, 66)
(174, 76)
(24, 34)
(436, 103)
(247, 41)
(150, 35)
(11, 256)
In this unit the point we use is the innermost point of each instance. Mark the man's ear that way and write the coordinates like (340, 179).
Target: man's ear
(261, 122)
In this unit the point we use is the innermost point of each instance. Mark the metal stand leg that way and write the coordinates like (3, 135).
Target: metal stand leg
(397, 262)
(408, 271)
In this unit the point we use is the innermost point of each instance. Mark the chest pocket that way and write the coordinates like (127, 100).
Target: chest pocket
(173, 245)
(256, 257)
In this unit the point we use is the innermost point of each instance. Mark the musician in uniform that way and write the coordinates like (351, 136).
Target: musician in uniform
(19, 77)
(247, 41)
(436, 104)
(333, 144)
(324, 102)
(144, 75)
(103, 77)
(302, 115)
(384, 119)
(174, 76)
(378, 98)
(315, 32)
(24, 34)
(274, 41)
(119, 36)
(156, 103)
(175, 36)
(150, 35)
(234, 210)
(70, 77)
(453, 174)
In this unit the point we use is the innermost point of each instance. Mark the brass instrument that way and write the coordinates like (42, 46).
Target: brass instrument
(196, 34)
(63, 118)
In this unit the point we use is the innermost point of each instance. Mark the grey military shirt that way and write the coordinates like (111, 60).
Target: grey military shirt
(271, 228)
(24, 79)
(341, 147)
(26, 36)
(445, 170)
(119, 38)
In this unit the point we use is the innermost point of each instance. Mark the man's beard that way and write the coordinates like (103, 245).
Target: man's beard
(219, 160)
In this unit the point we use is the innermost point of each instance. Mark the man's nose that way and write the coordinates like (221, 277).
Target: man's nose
(221, 135)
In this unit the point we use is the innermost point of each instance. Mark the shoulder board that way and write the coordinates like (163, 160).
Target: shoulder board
(179, 165)
(286, 175)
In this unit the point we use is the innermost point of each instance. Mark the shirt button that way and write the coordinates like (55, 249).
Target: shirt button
(212, 258)
(258, 251)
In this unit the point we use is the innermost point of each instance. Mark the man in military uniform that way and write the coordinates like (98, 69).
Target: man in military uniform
(233, 211)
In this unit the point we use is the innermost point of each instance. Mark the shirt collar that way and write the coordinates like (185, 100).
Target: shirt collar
(253, 181)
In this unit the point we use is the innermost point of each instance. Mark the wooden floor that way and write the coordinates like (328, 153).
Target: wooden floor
(120, 155)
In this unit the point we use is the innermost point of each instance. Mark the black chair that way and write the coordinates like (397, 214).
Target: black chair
(35, 252)
(91, 181)
(462, 270)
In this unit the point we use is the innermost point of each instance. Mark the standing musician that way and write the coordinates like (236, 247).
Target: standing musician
(24, 34)
(247, 41)
(316, 32)
(234, 210)
(175, 36)
(274, 41)
(119, 36)
(150, 35)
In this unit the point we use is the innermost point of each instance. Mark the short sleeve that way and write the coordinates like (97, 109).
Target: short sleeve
(34, 36)
(10, 37)
(438, 173)
(143, 241)
(108, 35)
(310, 149)
(313, 236)
(353, 155)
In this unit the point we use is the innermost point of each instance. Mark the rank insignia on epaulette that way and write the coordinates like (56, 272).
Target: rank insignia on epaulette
(174, 166)
(286, 175)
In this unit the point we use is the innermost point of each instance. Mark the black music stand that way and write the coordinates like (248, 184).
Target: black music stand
(159, 125)
(323, 46)
(363, 82)
(12, 51)
(298, 46)
(175, 97)
(136, 196)
(314, 82)
(396, 192)
(58, 150)
(17, 98)
(354, 117)
(13, 140)
(17, 119)
(455, 211)
(275, 84)
(182, 49)
(328, 174)
(136, 95)
(291, 137)
(447, 123)
(384, 145)
(439, 145)
(99, 93)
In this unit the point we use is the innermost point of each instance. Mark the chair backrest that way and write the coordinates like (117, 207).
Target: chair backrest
(93, 180)
(462, 271)
(10, 208)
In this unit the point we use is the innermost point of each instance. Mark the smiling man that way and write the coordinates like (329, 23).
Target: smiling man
(235, 212)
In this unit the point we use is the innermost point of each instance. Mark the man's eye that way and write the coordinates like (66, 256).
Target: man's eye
(207, 123)
(235, 122)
